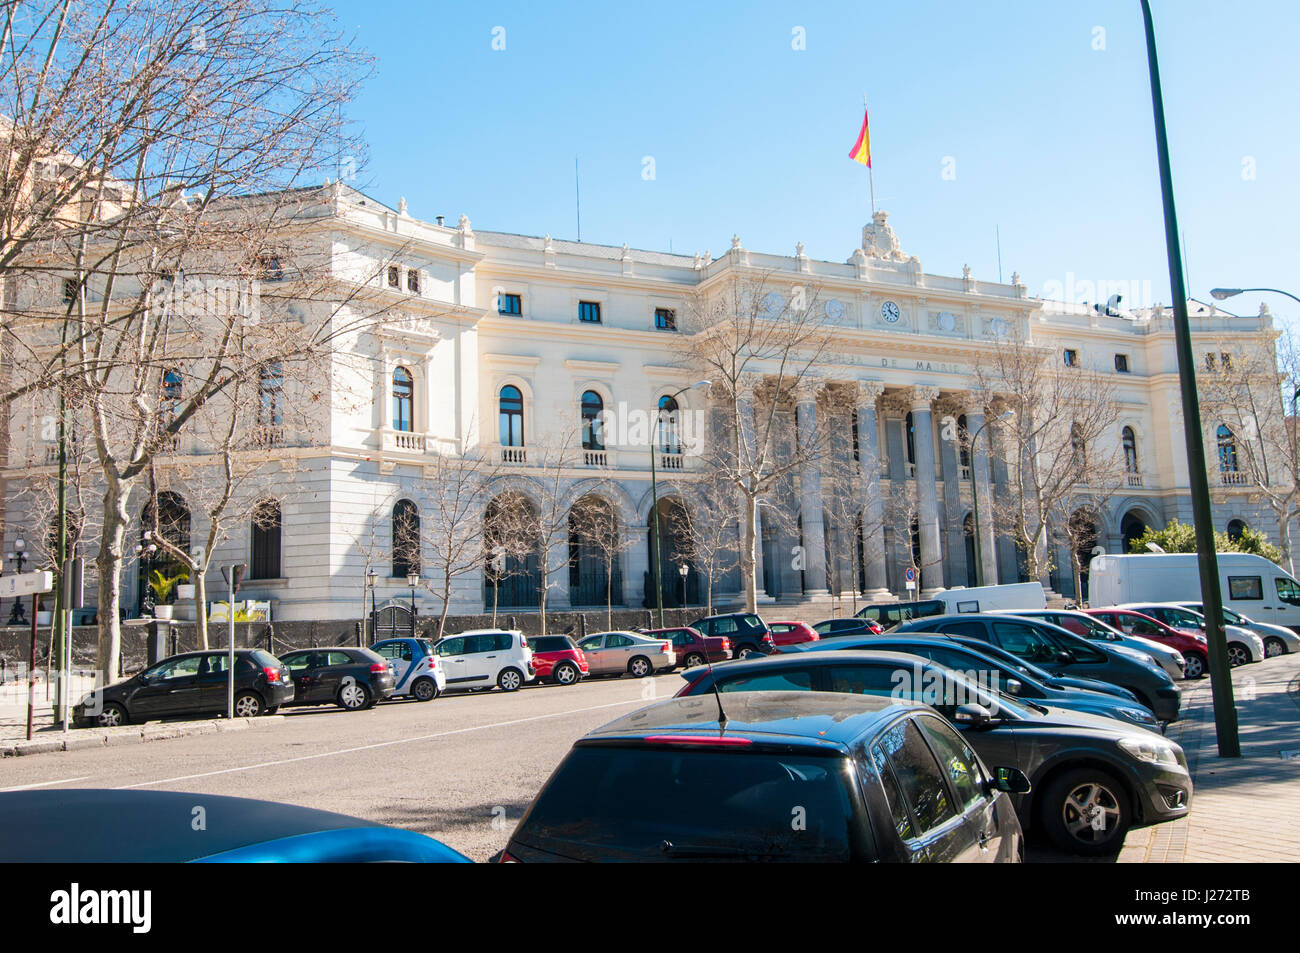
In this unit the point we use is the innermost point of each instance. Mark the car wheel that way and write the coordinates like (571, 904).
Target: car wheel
(692, 660)
(248, 705)
(510, 679)
(354, 696)
(640, 667)
(1237, 654)
(424, 690)
(112, 716)
(272, 711)
(566, 673)
(745, 651)
(1273, 646)
(1195, 665)
(1086, 811)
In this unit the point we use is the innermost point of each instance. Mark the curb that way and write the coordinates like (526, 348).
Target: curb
(82, 739)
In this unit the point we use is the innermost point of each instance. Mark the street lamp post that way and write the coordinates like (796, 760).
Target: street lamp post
(975, 496)
(372, 580)
(654, 499)
(1225, 712)
(18, 557)
(683, 570)
(412, 580)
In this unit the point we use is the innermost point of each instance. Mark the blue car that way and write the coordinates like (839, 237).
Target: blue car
(174, 827)
(417, 671)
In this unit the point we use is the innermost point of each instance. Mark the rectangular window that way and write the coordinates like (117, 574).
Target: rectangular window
(394, 277)
(665, 319)
(1071, 357)
(510, 304)
(1287, 590)
(1245, 587)
(1121, 363)
(69, 289)
(413, 281)
(1210, 361)
(972, 606)
(589, 311)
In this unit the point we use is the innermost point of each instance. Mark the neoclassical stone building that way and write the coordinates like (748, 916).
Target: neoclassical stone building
(496, 342)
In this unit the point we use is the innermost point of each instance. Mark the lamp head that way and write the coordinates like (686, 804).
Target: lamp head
(19, 544)
(412, 579)
(1218, 294)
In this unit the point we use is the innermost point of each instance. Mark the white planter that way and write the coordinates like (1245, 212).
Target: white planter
(184, 591)
(162, 612)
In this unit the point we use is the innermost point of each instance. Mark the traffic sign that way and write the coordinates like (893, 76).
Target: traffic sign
(910, 574)
(26, 583)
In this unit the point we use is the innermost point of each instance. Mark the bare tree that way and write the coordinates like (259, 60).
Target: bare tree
(705, 528)
(594, 524)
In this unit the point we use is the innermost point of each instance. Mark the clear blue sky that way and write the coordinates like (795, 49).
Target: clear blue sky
(1050, 139)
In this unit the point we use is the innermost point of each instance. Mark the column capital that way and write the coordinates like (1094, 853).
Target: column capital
(748, 384)
(806, 389)
(923, 395)
(868, 392)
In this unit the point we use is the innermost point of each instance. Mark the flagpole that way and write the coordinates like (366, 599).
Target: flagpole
(871, 173)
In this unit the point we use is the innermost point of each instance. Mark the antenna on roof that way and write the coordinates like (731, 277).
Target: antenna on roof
(577, 197)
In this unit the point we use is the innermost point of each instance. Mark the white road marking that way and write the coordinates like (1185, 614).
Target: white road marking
(42, 784)
(379, 744)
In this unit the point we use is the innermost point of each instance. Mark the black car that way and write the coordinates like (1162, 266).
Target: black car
(1062, 653)
(834, 628)
(890, 614)
(352, 678)
(787, 777)
(194, 683)
(1093, 777)
(749, 634)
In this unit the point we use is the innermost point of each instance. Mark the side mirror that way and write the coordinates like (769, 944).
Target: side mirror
(1014, 686)
(1064, 657)
(976, 716)
(1011, 781)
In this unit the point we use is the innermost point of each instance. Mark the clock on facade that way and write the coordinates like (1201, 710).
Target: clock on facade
(889, 311)
(834, 309)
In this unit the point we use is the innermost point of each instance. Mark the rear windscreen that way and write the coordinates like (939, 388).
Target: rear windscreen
(549, 643)
(265, 659)
(607, 800)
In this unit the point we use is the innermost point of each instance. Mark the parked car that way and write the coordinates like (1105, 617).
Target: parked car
(1244, 646)
(1194, 647)
(556, 658)
(482, 658)
(890, 614)
(1064, 652)
(417, 670)
(835, 628)
(791, 633)
(613, 653)
(873, 779)
(115, 826)
(193, 683)
(693, 647)
(352, 678)
(748, 633)
(1090, 627)
(996, 674)
(1278, 639)
(1000, 598)
(1093, 778)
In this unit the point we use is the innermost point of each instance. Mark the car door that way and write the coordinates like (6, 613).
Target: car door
(171, 689)
(618, 652)
(300, 666)
(399, 654)
(332, 668)
(969, 787)
(214, 681)
(935, 831)
(481, 658)
(451, 652)
(593, 646)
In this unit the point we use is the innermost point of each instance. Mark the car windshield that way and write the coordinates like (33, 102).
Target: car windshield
(669, 801)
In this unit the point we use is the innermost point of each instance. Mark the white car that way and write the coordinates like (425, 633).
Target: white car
(1241, 642)
(1278, 639)
(482, 658)
(1080, 623)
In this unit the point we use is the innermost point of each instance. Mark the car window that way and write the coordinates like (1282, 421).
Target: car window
(893, 794)
(974, 630)
(297, 661)
(750, 623)
(477, 644)
(781, 627)
(956, 759)
(787, 680)
(822, 628)
(1025, 641)
(214, 664)
(180, 668)
(918, 775)
(617, 641)
(452, 646)
(1245, 587)
(503, 641)
(338, 658)
(1287, 590)
(395, 650)
(863, 679)
(591, 642)
(724, 626)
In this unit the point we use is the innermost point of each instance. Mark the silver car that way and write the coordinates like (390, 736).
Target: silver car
(1278, 639)
(1243, 645)
(613, 653)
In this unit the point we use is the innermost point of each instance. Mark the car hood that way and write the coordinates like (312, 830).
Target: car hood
(1092, 685)
(1064, 718)
(1093, 703)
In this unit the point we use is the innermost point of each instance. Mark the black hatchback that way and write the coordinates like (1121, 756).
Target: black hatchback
(191, 684)
(352, 678)
(787, 776)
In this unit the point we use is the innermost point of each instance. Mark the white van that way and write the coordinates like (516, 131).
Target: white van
(1016, 595)
(1251, 585)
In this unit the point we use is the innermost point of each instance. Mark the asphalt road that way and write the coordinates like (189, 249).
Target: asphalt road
(461, 768)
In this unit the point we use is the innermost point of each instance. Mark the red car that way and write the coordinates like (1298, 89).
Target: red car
(792, 633)
(1196, 652)
(694, 647)
(557, 659)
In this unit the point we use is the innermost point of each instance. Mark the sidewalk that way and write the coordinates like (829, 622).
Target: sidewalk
(1244, 809)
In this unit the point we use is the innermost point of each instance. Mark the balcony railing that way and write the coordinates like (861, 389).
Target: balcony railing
(517, 455)
(965, 473)
(1233, 478)
(267, 435)
(1135, 479)
(595, 458)
(672, 461)
(404, 440)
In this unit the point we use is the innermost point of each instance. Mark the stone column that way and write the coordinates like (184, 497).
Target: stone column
(927, 492)
(810, 494)
(982, 491)
(873, 511)
(748, 408)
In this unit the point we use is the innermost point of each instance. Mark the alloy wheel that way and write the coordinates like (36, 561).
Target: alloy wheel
(1091, 812)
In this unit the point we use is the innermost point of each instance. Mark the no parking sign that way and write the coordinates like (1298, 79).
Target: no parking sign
(909, 577)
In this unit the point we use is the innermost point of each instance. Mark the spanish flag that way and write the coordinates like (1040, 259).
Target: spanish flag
(861, 151)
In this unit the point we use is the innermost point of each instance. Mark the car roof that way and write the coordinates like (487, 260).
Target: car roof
(485, 632)
(817, 719)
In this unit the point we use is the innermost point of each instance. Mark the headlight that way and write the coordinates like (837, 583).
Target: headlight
(1138, 715)
(1151, 751)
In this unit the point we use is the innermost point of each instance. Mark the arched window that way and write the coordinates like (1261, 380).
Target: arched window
(266, 541)
(909, 427)
(669, 435)
(406, 538)
(963, 441)
(1237, 529)
(1227, 449)
(403, 400)
(512, 416)
(1129, 440)
(592, 407)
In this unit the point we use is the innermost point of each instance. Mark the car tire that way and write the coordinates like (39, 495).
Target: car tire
(1074, 802)
(353, 697)
(272, 711)
(248, 705)
(113, 716)
(510, 680)
(640, 667)
(746, 650)
(692, 660)
(1195, 665)
(1273, 647)
(424, 690)
(566, 673)
(1238, 654)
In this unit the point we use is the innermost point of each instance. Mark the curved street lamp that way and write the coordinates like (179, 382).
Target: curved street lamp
(654, 497)
(1220, 294)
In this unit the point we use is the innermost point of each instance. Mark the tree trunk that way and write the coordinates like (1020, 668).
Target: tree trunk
(541, 609)
(108, 564)
(747, 557)
(201, 605)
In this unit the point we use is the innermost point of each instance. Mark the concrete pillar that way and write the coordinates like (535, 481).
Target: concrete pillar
(873, 514)
(927, 492)
(982, 490)
(810, 493)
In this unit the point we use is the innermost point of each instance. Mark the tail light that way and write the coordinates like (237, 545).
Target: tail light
(378, 668)
(668, 646)
(726, 645)
(767, 637)
(706, 740)
(272, 673)
(507, 858)
(523, 640)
